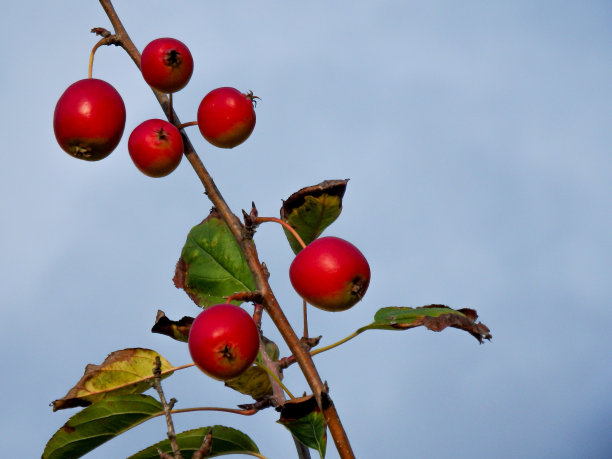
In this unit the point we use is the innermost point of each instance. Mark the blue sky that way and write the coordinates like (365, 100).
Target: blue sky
(477, 139)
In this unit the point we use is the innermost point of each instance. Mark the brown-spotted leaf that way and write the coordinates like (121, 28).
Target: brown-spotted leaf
(312, 209)
(176, 329)
(304, 419)
(123, 372)
(434, 317)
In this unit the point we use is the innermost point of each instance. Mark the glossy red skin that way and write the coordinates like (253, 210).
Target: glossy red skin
(89, 119)
(156, 147)
(330, 273)
(223, 341)
(166, 64)
(226, 117)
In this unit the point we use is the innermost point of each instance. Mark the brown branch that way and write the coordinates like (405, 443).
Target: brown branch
(250, 252)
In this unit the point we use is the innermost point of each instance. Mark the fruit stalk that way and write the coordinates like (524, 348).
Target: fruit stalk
(249, 250)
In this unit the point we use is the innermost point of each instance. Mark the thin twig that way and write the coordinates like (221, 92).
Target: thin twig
(163, 455)
(244, 412)
(167, 408)
(206, 446)
(257, 313)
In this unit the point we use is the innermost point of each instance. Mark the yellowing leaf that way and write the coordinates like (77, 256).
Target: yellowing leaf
(122, 372)
(312, 209)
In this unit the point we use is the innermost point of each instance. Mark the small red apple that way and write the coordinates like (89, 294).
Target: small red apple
(223, 341)
(89, 119)
(156, 147)
(330, 273)
(226, 117)
(166, 64)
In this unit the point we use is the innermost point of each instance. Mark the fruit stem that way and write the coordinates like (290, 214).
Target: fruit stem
(337, 343)
(184, 125)
(249, 412)
(103, 41)
(305, 314)
(285, 224)
(276, 378)
(257, 313)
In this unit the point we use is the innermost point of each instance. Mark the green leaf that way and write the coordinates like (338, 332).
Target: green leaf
(435, 317)
(98, 423)
(305, 421)
(212, 265)
(312, 209)
(122, 372)
(225, 440)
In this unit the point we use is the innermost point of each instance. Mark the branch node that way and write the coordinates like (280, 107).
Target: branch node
(107, 37)
(101, 31)
(259, 405)
(309, 343)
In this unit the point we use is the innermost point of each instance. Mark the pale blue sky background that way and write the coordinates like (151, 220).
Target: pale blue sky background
(477, 139)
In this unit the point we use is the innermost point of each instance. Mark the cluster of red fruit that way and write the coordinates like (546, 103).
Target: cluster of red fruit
(329, 273)
(89, 117)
